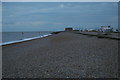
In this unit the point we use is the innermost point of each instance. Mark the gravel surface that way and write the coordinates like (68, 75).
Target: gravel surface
(63, 55)
(113, 35)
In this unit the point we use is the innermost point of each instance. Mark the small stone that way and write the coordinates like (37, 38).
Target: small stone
(67, 77)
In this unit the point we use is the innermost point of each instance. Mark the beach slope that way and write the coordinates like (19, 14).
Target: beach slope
(62, 55)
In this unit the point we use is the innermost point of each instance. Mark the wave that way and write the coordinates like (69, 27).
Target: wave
(27, 39)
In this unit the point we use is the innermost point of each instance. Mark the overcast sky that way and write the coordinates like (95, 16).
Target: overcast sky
(60, 0)
(52, 16)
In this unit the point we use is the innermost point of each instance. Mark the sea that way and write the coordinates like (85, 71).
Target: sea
(13, 37)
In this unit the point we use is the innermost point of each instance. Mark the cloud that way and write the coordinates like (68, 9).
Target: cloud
(58, 15)
(25, 9)
(31, 23)
(38, 23)
(62, 5)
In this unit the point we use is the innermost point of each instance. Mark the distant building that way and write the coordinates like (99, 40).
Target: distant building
(68, 29)
(105, 29)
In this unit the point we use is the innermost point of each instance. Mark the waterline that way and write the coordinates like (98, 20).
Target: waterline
(26, 39)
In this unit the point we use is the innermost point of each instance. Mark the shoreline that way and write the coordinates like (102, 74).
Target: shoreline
(28, 39)
(77, 32)
(23, 40)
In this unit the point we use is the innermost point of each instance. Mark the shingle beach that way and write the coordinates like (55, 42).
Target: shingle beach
(62, 55)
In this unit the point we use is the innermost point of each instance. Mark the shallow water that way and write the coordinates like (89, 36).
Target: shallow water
(14, 36)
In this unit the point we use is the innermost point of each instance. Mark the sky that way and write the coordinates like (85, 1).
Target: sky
(55, 16)
(60, 0)
(0, 18)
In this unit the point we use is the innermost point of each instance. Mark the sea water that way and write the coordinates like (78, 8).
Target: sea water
(8, 37)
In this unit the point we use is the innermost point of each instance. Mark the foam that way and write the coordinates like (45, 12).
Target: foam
(27, 39)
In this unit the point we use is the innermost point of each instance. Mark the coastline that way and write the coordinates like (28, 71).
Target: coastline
(23, 40)
(83, 33)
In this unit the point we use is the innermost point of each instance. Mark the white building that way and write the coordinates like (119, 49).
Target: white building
(105, 29)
